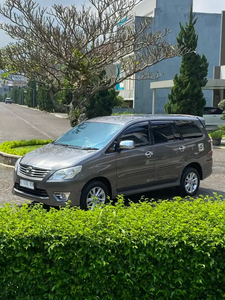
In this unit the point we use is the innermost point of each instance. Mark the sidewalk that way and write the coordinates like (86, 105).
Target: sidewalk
(58, 115)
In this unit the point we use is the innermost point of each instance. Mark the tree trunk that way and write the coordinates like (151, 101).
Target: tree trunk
(77, 110)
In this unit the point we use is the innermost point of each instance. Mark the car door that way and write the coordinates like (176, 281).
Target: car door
(169, 152)
(197, 145)
(135, 168)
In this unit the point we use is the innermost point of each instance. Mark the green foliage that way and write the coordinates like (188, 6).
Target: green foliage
(222, 127)
(64, 97)
(17, 95)
(102, 103)
(44, 101)
(170, 250)
(186, 96)
(31, 94)
(2, 98)
(218, 134)
(22, 147)
(221, 105)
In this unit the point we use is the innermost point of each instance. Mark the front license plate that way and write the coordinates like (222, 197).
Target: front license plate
(27, 184)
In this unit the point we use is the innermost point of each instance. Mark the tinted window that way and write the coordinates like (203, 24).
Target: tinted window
(138, 134)
(189, 130)
(164, 132)
(212, 111)
(89, 135)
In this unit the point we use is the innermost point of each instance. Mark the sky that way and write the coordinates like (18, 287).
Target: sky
(208, 6)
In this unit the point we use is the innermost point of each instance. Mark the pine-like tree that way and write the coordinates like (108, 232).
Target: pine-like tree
(186, 96)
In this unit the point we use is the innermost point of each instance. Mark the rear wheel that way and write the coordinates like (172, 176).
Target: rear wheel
(94, 193)
(189, 183)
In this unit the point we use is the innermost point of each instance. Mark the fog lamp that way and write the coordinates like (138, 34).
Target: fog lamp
(63, 196)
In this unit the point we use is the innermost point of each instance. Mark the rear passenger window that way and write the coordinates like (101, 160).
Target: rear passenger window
(189, 130)
(164, 132)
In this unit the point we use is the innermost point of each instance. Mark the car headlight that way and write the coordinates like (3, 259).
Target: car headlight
(65, 174)
(17, 163)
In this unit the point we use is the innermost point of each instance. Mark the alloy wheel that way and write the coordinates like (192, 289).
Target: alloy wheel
(191, 183)
(95, 196)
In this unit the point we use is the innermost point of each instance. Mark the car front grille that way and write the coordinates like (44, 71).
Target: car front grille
(35, 192)
(32, 172)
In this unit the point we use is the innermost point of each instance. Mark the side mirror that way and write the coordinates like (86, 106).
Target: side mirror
(126, 145)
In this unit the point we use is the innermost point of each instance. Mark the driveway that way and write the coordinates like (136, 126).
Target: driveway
(20, 122)
(214, 184)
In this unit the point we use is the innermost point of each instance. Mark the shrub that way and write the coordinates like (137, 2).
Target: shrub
(221, 104)
(218, 134)
(222, 127)
(22, 147)
(172, 250)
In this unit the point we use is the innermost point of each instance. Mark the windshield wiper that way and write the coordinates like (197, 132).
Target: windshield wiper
(89, 148)
(59, 144)
(67, 145)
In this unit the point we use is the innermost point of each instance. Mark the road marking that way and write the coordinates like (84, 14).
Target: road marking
(27, 122)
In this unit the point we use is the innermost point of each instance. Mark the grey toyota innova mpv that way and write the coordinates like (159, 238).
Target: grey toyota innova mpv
(113, 155)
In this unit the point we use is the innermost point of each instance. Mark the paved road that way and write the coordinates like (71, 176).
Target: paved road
(20, 122)
(215, 183)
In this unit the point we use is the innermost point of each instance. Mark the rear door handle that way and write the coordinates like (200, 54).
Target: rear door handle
(182, 148)
(149, 154)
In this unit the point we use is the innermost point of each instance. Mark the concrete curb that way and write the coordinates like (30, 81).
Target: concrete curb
(8, 159)
(58, 115)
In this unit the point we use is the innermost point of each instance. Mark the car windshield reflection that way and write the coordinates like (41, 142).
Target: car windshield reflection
(89, 135)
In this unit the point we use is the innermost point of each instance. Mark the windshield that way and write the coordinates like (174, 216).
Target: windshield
(89, 135)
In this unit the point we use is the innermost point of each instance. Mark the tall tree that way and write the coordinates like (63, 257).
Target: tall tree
(31, 94)
(16, 94)
(63, 47)
(102, 103)
(186, 96)
(44, 100)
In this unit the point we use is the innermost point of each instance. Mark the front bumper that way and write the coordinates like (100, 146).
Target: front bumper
(44, 192)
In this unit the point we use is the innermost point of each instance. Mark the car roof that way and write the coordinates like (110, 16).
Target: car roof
(125, 119)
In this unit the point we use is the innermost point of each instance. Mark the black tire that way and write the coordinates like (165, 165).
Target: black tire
(95, 184)
(192, 175)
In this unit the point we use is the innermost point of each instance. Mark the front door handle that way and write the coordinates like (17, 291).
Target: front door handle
(149, 154)
(182, 148)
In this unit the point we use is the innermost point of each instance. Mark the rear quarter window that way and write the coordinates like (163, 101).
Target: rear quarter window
(189, 130)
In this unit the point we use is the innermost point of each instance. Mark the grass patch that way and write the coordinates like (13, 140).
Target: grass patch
(22, 147)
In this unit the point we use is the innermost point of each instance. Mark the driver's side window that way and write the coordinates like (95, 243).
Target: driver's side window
(137, 133)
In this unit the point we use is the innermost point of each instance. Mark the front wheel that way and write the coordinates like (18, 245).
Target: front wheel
(189, 183)
(94, 193)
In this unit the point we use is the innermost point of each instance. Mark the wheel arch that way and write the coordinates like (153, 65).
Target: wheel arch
(196, 166)
(102, 179)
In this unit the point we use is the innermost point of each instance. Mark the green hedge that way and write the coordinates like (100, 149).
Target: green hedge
(171, 250)
(22, 147)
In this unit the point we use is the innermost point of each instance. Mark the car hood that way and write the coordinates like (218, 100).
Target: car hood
(55, 157)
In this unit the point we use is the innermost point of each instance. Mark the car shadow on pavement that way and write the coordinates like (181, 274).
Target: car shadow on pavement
(170, 194)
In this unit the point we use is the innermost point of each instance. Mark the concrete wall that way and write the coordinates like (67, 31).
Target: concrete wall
(168, 14)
